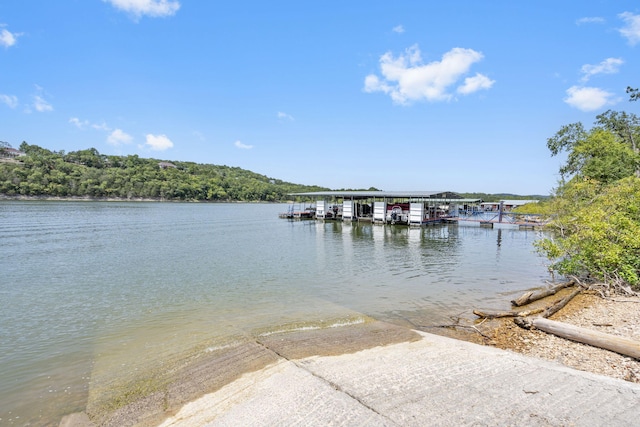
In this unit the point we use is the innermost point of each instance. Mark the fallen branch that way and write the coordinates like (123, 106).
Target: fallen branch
(545, 312)
(532, 296)
(610, 342)
(497, 314)
(456, 326)
(561, 303)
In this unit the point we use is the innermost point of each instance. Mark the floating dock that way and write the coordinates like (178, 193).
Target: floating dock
(412, 208)
(299, 212)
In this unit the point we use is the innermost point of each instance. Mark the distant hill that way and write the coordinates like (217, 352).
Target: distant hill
(87, 173)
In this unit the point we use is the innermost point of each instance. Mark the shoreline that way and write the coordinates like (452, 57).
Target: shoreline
(117, 199)
(76, 199)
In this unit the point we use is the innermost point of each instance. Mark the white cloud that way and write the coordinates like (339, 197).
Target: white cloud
(406, 79)
(10, 100)
(152, 8)
(41, 105)
(284, 116)
(608, 66)
(101, 126)
(118, 137)
(7, 38)
(84, 124)
(242, 146)
(632, 28)
(80, 124)
(398, 29)
(158, 142)
(373, 84)
(590, 20)
(588, 98)
(475, 83)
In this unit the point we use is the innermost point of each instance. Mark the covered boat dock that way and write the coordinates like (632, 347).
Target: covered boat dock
(414, 208)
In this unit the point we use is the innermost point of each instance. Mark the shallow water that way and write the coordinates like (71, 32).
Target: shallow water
(95, 289)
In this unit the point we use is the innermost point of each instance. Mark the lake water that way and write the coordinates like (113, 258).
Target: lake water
(110, 288)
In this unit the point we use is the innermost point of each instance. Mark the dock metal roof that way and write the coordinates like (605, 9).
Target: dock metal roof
(442, 195)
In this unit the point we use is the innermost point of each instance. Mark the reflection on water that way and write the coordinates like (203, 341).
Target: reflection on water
(94, 293)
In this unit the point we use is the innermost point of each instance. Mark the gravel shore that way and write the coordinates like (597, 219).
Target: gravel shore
(616, 316)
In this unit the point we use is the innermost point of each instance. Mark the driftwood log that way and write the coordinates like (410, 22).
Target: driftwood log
(532, 296)
(496, 314)
(561, 303)
(545, 312)
(610, 342)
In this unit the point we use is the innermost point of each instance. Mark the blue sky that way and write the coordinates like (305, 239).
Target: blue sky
(403, 95)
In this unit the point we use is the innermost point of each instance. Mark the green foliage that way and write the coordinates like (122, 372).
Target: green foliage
(607, 152)
(3, 147)
(540, 208)
(597, 231)
(359, 189)
(87, 173)
(597, 210)
(603, 157)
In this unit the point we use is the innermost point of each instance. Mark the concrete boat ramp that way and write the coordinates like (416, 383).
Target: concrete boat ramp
(403, 378)
(431, 381)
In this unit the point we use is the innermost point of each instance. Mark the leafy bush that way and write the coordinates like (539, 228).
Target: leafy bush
(597, 231)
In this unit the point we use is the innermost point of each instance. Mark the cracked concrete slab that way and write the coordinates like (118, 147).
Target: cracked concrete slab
(432, 381)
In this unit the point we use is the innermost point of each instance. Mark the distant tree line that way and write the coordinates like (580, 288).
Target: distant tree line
(485, 197)
(87, 173)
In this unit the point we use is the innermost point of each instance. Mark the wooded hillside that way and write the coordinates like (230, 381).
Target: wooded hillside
(87, 173)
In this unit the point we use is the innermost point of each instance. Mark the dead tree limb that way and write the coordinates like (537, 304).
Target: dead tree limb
(610, 342)
(532, 296)
(497, 314)
(545, 312)
(561, 303)
(455, 325)
(527, 323)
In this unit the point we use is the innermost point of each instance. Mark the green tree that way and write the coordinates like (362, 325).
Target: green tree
(607, 152)
(3, 147)
(91, 158)
(597, 204)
